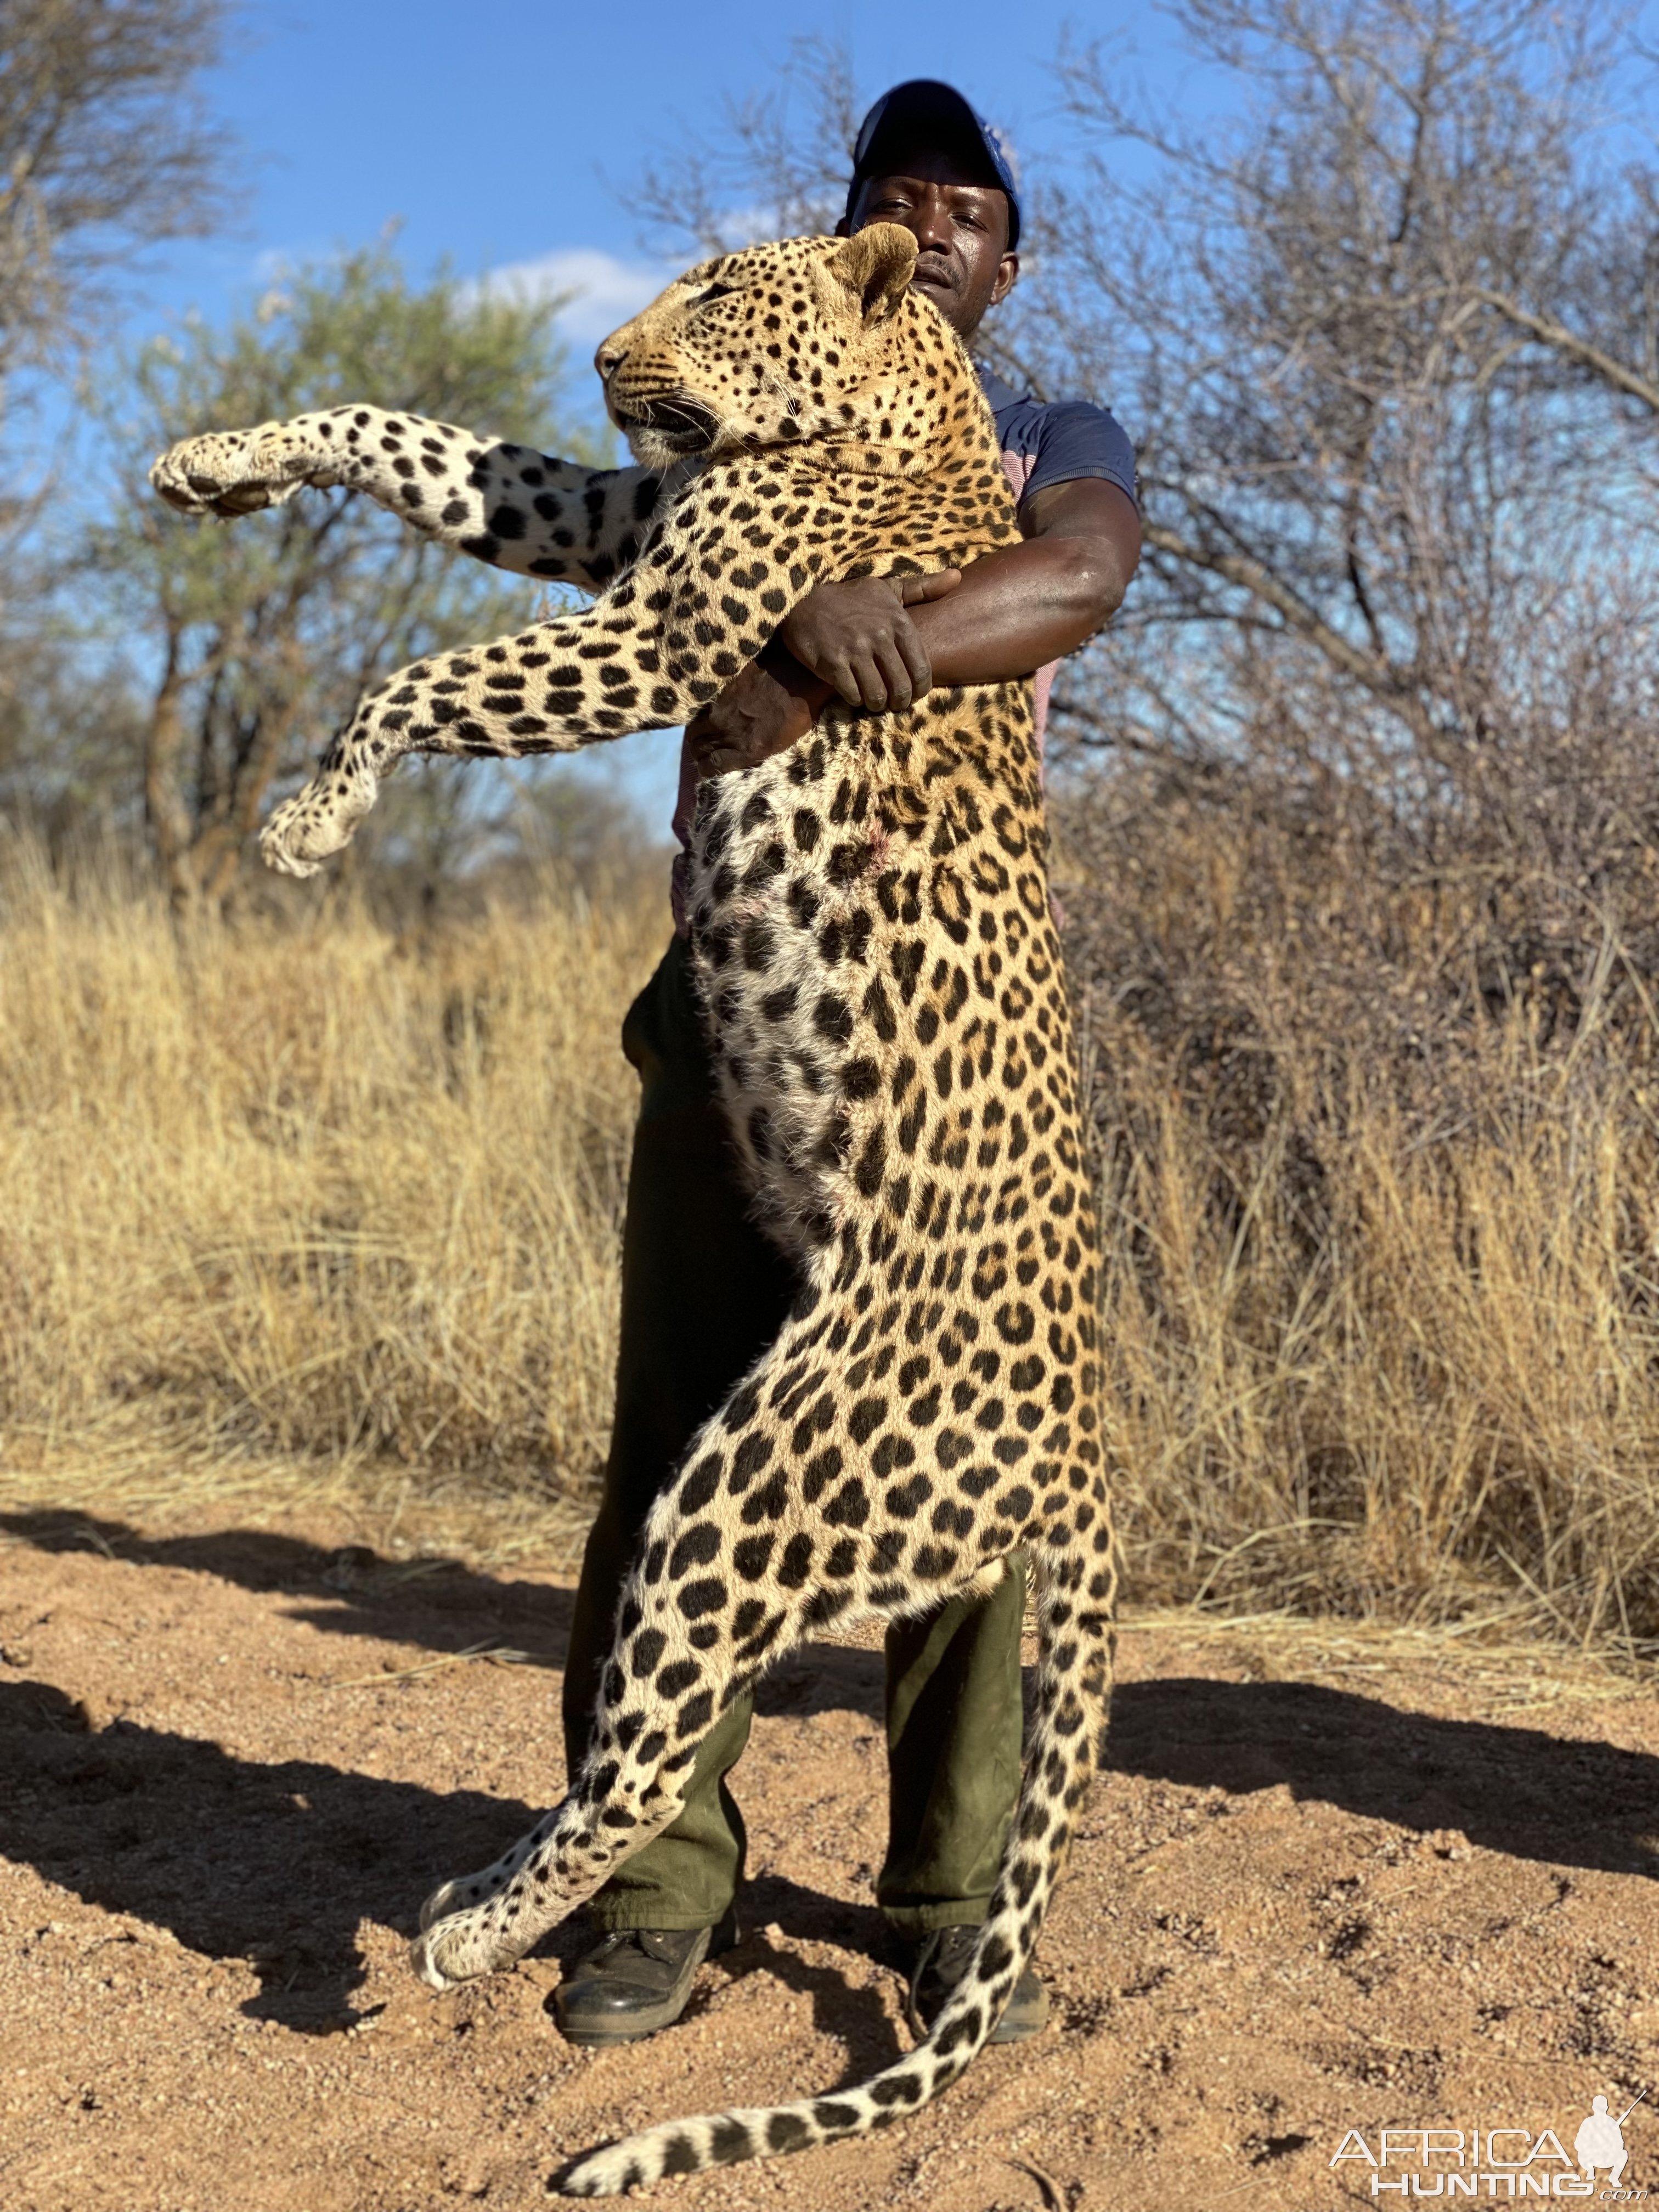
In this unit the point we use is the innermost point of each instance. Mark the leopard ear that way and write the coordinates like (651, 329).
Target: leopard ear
(876, 266)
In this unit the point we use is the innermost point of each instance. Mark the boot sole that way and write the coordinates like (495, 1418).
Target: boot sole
(641, 2025)
(1018, 2031)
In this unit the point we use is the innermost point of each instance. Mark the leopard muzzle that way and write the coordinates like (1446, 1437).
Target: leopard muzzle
(678, 421)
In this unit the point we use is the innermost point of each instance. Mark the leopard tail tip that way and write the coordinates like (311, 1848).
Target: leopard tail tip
(672, 2148)
(594, 2174)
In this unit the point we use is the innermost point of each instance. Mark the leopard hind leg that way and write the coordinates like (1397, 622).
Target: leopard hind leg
(658, 1697)
(1075, 1594)
(722, 1587)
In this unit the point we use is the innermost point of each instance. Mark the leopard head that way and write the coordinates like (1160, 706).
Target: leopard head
(813, 340)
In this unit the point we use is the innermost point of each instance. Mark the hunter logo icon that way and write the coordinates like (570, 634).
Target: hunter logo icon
(1493, 2160)
(1599, 2141)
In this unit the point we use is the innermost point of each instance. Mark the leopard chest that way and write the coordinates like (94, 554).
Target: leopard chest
(852, 912)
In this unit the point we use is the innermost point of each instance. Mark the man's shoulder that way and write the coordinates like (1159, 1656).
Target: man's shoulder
(1061, 438)
(1015, 400)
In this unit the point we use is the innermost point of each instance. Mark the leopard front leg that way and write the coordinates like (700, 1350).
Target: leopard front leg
(320, 817)
(476, 704)
(508, 505)
(648, 654)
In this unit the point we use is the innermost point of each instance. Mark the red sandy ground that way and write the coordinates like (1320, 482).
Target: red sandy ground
(1317, 1892)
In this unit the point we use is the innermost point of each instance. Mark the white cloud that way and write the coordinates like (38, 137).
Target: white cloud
(607, 290)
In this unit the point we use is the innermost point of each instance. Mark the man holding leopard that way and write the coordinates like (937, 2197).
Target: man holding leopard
(703, 1290)
(859, 1363)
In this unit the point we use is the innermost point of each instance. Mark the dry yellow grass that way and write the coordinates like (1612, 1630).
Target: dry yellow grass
(321, 1198)
(1436, 1402)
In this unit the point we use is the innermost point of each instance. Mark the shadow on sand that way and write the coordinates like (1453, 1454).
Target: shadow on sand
(277, 1862)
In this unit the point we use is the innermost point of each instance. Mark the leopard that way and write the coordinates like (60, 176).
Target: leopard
(880, 978)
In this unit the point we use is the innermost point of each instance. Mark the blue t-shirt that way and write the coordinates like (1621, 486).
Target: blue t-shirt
(1061, 440)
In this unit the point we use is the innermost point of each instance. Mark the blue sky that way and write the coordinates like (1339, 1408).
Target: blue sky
(494, 133)
(489, 129)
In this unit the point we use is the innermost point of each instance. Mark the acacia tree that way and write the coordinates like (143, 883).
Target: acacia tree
(254, 639)
(104, 147)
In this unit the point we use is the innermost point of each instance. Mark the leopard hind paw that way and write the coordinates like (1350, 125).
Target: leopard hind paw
(317, 821)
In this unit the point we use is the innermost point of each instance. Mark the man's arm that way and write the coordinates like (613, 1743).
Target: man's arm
(1013, 610)
(1042, 599)
(880, 644)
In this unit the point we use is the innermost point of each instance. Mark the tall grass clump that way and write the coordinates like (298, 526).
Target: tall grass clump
(323, 1190)
(1379, 1139)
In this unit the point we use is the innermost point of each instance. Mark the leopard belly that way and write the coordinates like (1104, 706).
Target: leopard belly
(770, 891)
(826, 891)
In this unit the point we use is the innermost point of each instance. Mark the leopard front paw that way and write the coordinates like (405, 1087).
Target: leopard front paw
(232, 472)
(318, 821)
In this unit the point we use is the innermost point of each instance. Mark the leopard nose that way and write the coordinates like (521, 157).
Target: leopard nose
(607, 359)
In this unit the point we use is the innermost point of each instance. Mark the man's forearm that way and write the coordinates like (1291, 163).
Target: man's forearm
(1021, 607)
(880, 644)
(1012, 611)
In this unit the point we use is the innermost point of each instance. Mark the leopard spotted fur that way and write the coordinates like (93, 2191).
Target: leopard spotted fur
(873, 940)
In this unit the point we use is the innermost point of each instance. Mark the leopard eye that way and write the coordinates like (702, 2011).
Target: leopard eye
(714, 292)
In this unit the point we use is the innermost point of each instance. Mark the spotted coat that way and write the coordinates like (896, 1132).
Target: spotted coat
(872, 935)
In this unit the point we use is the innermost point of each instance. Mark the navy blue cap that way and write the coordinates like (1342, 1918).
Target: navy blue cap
(923, 111)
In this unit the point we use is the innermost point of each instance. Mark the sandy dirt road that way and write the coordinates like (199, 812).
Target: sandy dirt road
(1328, 1886)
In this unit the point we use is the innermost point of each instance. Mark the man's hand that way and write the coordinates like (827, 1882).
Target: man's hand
(857, 638)
(1014, 609)
(865, 645)
(764, 709)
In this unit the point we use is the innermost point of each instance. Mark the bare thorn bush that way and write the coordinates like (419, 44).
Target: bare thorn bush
(1383, 1248)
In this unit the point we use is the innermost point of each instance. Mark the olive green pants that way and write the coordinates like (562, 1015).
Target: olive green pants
(703, 1295)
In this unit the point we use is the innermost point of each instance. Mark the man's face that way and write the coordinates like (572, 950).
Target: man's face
(960, 226)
